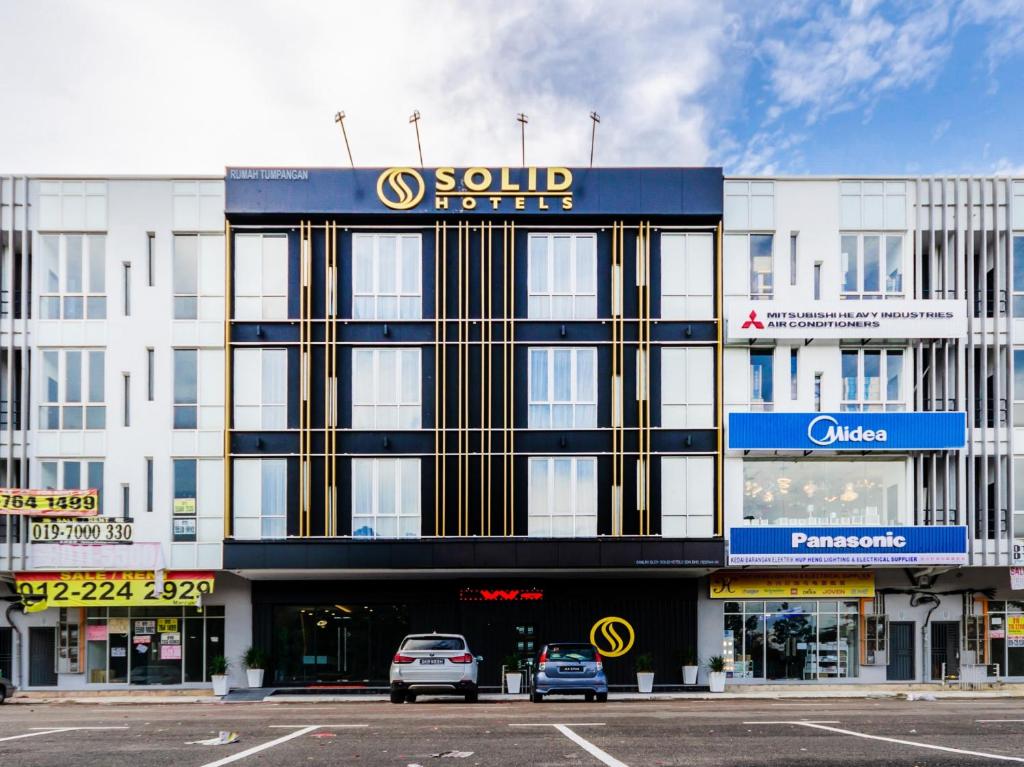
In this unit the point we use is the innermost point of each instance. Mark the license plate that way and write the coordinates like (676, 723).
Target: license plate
(431, 661)
(576, 669)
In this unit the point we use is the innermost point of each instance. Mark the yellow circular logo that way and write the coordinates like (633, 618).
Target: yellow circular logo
(395, 188)
(616, 644)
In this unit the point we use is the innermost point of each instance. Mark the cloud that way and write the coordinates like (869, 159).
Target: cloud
(941, 129)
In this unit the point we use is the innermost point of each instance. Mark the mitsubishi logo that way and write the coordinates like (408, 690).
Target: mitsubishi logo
(752, 321)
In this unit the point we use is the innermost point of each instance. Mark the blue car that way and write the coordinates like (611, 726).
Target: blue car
(569, 668)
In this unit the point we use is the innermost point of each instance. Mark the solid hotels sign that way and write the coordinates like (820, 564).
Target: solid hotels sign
(501, 189)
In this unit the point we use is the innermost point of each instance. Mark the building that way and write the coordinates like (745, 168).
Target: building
(679, 414)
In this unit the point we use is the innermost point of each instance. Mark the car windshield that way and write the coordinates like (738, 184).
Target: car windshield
(434, 643)
(571, 652)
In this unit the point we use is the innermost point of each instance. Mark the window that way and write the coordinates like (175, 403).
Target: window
(149, 484)
(126, 399)
(385, 498)
(126, 287)
(687, 276)
(873, 379)
(150, 259)
(761, 266)
(687, 496)
(761, 388)
(873, 205)
(150, 371)
(72, 475)
(792, 258)
(261, 277)
(824, 492)
(1018, 275)
(72, 205)
(872, 265)
(562, 276)
(817, 392)
(260, 498)
(186, 385)
(563, 498)
(386, 279)
(73, 390)
(74, 277)
(261, 383)
(126, 501)
(749, 205)
(1018, 389)
(687, 388)
(563, 388)
(184, 505)
(794, 374)
(817, 281)
(198, 272)
(386, 391)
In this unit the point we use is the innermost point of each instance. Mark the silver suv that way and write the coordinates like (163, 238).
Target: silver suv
(437, 664)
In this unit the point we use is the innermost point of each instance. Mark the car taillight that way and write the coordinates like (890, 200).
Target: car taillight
(399, 658)
(464, 658)
(542, 661)
(600, 663)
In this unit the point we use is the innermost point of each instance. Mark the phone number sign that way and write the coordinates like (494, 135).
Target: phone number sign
(112, 589)
(49, 503)
(96, 530)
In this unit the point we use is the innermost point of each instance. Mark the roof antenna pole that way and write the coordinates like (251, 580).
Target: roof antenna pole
(522, 120)
(595, 118)
(415, 120)
(340, 119)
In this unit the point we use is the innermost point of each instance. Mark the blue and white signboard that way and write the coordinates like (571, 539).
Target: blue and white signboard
(911, 545)
(847, 431)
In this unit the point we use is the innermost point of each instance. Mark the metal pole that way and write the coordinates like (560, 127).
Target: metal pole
(415, 120)
(522, 119)
(340, 119)
(595, 119)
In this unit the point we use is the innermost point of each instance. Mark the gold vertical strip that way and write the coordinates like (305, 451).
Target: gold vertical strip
(622, 369)
(458, 391)
(444, 377)
(504, 377)
(302, 409)
(490, 365)
(648, 367)
(512, 381)
(720, 383)
(641, 382)
(615, 359)
(437, 377)
(228, 505)
(468, 289)
(483, 366)
(327, 376)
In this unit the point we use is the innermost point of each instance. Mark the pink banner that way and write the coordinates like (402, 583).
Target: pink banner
(170, 652)
(96, 632)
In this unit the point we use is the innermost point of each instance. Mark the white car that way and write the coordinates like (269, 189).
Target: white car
(436, 664)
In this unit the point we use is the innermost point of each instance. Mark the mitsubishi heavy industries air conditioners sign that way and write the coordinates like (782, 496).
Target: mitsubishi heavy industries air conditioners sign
(889, 318)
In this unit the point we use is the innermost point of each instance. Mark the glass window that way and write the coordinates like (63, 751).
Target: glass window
(794, 373)
(1018, 276)
(73, 475)
(873, 204)
(386, 497)
(687, 496)
(186, 388)
(562, 276)
(820, 492)
(73, 390)
(198, 272)
(186, 277)
(761, 268)
(873, 380)
(792, 258)
(761, 387)
(563, 388)
(386, 391)
(687, 387)
(260, 489)
(261, 277)
(387, 283)
(871, 265)
(562, 497)
(261, 382)
(687, 276)
(74, 277)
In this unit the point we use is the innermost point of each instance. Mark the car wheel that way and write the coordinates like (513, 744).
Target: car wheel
(471, 697)
(410, 698)
(602, 697)
(397, 696)
(536, 697)
(589, 696)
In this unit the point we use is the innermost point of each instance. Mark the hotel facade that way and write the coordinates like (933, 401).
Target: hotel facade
(668, 411)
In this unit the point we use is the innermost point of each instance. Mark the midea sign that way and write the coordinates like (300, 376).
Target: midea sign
(747, 319)
(847, 431)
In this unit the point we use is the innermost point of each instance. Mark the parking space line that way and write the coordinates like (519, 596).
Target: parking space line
(318, 726)
(999, 720)
(556, 724)
(55, 730)
(590, 748)
(263, 746)
(800, 721)
(931, 746)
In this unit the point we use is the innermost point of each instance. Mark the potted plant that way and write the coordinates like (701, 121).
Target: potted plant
(690, 667)
(219, 666)
(513, 675)
(644, 664)
(254, 660)
(716, 675)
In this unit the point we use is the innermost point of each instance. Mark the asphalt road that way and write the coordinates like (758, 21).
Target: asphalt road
(944, 733)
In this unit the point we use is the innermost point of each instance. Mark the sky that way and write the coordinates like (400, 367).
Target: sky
(781, 87)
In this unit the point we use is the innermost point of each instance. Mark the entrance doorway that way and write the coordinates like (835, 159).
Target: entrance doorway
(42, 657)
(901, 652)
(945, 649)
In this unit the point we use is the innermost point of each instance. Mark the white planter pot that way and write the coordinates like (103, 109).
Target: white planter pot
(254, 677)
(645, 682)
(716, 681)
(690, 674)
(220, 684)
(513, 682)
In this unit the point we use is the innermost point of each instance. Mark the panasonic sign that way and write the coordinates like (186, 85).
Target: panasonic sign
(861, 432)
(897, 546)
(885, 541)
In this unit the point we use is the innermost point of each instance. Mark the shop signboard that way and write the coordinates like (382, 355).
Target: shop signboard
(1017, 553)
(1015, 630)
(860, 432)
(40, 590)
(1017, 578)
(96, 530)
(808, 584)
(893, 318)
(908, 545)
(49, 503)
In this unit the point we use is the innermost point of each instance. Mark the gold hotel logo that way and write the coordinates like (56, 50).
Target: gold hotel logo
(404, 188)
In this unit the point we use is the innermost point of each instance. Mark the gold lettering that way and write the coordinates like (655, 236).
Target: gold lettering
(441, 203)
(531, 179)
(506, 182)
(444, 179)
(468, 203)
(541, 204)
(567, 203)
(520, 203)
(495, 202)
(470, 179)
(559, 179)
